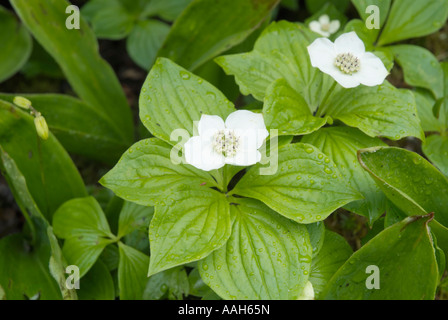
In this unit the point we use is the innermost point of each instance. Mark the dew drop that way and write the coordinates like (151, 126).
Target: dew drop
(309, 150)
(185, 75)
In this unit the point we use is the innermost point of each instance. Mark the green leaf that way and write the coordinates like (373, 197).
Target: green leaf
(411, 20)
(286, 110)
(341, 145)
(41, 63)
(109, 19)
(145, 40)
(15, 45)
(17, 184)
(97, 284)
(134, 217)
(166, 9)
(377, 111)
(194, 225)
(89, 75)
(24, 266)
(57, 267)
(231, 21)
(441, 234)
(317, 235)
(306, 188)
(79, 127)
(280, 52)
(420, 67)
(81, 222)
(110, 257)
(408, 180)
(172, 98)
(172, 284)
(383, 6)
(368, 36)
(50, 174)
(132, 271)
(266, 257)
(393, 214)
(197, 286)
(436, 149)
(333, 254)
(406, 260)
(145, 174)
(425, 103)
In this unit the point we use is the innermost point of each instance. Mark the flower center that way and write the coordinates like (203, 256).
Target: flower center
(225, 142)
(347, 63)
(325, 26)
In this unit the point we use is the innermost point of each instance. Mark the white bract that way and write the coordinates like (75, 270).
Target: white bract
(347, 61)
(235, 141)
(324, 26)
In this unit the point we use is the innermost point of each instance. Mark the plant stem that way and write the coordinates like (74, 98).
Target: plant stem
(220, 179)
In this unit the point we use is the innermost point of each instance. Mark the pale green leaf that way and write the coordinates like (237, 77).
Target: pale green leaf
(413, 19)
(406, 262)
(83, 225)
(173, 98)
(145, 40)
(377, 111)
(266, 257)
(307, 186)
(132, 271)
(436, 149)
(15, 45)
(333, 254)
(194, 225)
(408, 180)
(280, 52)
(285, 110)
(90, 76)
(341, 145)
(145, 174)
(191, 43)
(420, 67)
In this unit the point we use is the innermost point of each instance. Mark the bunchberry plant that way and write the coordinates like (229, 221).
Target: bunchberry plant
(251, 141)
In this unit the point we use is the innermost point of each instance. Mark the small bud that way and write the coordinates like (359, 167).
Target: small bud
(41, 126)
(22, 102)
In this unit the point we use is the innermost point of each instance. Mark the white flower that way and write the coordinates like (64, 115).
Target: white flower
(234, 142)
(324, 26)
(307, 293)
(347, 61)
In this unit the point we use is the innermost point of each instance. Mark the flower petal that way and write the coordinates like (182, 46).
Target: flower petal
(247, 153)
(250, 124)
(334, 26)
(323, 55)
(199, 153)
(208, 125)
(316, 27)
(244, 158)
(324, 19)
(350, 42)
(346, 80)
(372, 72)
